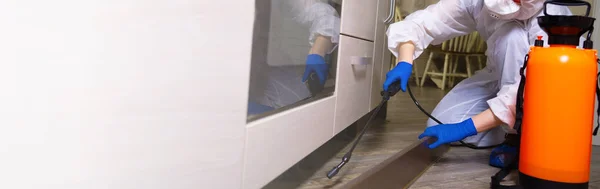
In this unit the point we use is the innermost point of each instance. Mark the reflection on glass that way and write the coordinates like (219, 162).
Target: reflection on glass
(293, 53)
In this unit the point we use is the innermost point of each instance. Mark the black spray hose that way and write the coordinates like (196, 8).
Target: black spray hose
(386, 95)
(462, 143)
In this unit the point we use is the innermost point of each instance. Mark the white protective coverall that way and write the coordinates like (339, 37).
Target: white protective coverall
(276, 79)
(322, 18)
(495, 86)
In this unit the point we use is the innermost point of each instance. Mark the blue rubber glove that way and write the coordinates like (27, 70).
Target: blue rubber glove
(447, 133)
(401, 73)
(316, 63)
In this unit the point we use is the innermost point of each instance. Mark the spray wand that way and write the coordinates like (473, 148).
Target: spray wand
(386, 95)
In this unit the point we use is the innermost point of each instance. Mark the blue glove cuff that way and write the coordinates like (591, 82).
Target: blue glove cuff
(469, 127)
(404, 65)
(315, 58)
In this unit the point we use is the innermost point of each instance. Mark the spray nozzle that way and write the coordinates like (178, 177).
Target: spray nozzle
(539, 42)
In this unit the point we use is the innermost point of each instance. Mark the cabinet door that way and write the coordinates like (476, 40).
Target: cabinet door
(289, 118)
(275, 143)
(355, 72)
(382, 56)
(357, 18)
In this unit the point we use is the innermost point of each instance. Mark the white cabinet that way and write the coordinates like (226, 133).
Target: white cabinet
(275, 143)
(355, 71)
(362, 65)
(279, 139)
(357, 18)
(381, 55)
(124, 94)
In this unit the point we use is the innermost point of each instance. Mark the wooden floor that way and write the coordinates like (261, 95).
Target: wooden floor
(404, 123)
(459, 168)
(465, 168)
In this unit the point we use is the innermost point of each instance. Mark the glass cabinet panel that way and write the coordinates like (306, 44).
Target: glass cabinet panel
(293, 54)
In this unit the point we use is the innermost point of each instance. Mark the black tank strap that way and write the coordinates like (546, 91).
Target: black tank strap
(500, 175)
(513, 163)
(520, 92)
(598, 98)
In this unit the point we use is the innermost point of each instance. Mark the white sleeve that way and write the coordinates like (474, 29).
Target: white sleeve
(322, 18)
(433, 25)
(504, 104)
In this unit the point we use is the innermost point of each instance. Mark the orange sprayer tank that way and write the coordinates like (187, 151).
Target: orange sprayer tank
(558, 106)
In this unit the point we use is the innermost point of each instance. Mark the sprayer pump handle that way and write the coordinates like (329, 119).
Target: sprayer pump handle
(568, 3)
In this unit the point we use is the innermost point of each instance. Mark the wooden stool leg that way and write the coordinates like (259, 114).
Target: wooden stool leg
(480, 62)
(446, 60)
(468, 67)
(416, 72)
(454, 67)
(424, 76)
(450, 66)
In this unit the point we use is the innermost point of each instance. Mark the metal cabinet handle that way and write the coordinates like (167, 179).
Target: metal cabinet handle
(392, 13)
(361, 60)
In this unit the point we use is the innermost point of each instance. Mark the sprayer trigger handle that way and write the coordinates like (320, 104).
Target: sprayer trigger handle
(392, 90)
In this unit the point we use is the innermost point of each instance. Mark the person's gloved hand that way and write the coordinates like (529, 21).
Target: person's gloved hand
(447, 133)
(401, 73)
(316, 63)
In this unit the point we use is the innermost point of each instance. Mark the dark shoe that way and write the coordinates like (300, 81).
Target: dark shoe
(502, 156)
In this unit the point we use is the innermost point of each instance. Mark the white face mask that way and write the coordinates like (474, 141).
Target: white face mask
(513, 9)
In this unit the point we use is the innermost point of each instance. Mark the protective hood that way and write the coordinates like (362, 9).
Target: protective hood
(514, 9)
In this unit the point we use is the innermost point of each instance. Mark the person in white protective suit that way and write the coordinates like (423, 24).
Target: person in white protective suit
(275, 81)
(475, 107)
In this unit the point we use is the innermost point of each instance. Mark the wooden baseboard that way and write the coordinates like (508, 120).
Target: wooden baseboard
(400, 170)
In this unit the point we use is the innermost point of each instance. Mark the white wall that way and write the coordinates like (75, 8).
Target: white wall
(580, 10)
(123, 93)
(410, 6)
